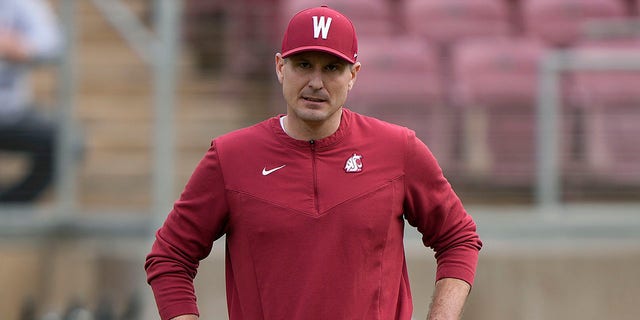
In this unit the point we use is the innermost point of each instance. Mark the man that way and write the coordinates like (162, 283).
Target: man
(29, 34)
(313, 203)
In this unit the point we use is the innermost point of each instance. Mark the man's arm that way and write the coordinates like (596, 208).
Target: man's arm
(448, 301)
(197, 219)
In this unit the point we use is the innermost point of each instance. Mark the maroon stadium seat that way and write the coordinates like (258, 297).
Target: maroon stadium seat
(501, 71)
(632, 7)
(445, 21)
(370, 17)
(563, 22)
(399, 69)
(515, 15)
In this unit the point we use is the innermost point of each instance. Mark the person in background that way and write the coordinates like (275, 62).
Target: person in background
(313, 203)
(29, 35)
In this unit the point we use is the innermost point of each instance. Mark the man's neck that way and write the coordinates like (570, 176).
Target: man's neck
(311, 130)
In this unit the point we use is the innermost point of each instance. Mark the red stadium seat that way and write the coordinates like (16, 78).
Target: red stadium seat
(610, 101)
(445, 21)
(370, 17)
(399, 82)
(515, 16)
(497, 72)
(632, 7)
(563, 22)
(216, 30)
(407, 66)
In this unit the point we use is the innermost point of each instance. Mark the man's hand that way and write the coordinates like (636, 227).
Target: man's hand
(448, 299)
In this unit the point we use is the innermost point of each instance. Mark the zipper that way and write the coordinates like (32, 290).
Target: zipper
(312, 144)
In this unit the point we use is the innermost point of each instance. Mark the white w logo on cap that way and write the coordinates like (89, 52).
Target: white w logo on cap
(321, 25)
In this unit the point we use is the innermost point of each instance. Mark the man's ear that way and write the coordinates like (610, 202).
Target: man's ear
(279, 65)
(354, 74)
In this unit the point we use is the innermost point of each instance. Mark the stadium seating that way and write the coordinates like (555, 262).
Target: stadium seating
(406, 65)
(399, 82)
(499, 71)
(496, 87)
(445, 21)
(610, 103)
(514, 8)
(465, 74)
(562, 23)
(370, 17)
(632, 7)
(231, 37)
(202, 33)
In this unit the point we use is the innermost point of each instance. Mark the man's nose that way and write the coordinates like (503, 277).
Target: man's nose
(315, 80)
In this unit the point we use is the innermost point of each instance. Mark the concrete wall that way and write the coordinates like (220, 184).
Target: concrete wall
(514, 281)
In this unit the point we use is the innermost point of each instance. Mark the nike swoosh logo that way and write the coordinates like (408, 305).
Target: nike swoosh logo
(266, 172)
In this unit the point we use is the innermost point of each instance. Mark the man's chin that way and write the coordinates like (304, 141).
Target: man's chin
(315, 116)
(313, 113)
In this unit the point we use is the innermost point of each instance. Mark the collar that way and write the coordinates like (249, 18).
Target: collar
(336, 137)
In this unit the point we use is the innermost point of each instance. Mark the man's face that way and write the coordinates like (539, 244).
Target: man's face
(315, 84)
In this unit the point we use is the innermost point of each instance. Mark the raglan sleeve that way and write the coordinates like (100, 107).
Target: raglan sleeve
(198, 218)
(432, 206)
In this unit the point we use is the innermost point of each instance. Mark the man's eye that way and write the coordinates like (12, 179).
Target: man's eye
(304, 65)
(332, 67)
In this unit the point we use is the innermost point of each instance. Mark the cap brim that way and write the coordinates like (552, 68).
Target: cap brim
(319, 48)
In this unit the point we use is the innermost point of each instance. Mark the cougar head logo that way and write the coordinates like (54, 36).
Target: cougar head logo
(354, 164)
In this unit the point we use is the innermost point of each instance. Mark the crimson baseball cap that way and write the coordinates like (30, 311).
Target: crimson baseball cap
(321, 29)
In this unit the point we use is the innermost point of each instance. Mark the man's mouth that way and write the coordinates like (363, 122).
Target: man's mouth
(313, 99)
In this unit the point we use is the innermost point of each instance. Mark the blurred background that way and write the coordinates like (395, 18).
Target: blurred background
(532, 108)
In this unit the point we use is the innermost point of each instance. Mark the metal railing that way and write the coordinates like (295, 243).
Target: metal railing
(548, 192)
